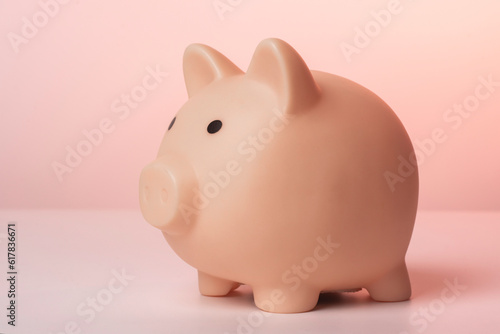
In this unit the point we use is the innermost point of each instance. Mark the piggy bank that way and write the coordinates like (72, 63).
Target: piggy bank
(292, 181)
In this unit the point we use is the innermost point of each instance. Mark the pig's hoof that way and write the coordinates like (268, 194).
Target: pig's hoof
(285, 300)
(213, 286)
(392, 287)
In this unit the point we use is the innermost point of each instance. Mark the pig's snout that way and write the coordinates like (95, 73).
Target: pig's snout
(164, 186)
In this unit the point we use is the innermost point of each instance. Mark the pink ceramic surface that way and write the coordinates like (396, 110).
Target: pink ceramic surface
(452, 291)
(289, 180)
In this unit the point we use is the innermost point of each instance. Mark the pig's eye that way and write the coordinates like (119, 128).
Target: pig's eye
(171, 124)
(214, 126)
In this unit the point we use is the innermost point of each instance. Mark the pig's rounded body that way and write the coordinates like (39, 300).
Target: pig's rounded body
(300, 202)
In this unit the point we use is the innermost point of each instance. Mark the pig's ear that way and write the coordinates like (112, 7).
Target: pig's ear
(277, 64)
(203, 65)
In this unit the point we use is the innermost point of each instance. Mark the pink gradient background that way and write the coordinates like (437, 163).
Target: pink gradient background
(65, 79)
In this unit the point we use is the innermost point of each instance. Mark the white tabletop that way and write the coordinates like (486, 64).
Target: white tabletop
(110, 272)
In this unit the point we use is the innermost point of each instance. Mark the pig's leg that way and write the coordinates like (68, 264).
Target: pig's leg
(285, 300)
(213, 286)
(394, 286)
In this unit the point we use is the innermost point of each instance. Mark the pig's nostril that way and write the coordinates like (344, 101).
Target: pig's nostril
(164, 195)
(161, 196)
(146, 194)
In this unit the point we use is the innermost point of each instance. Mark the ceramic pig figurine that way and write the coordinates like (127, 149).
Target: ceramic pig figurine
(279, 178)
